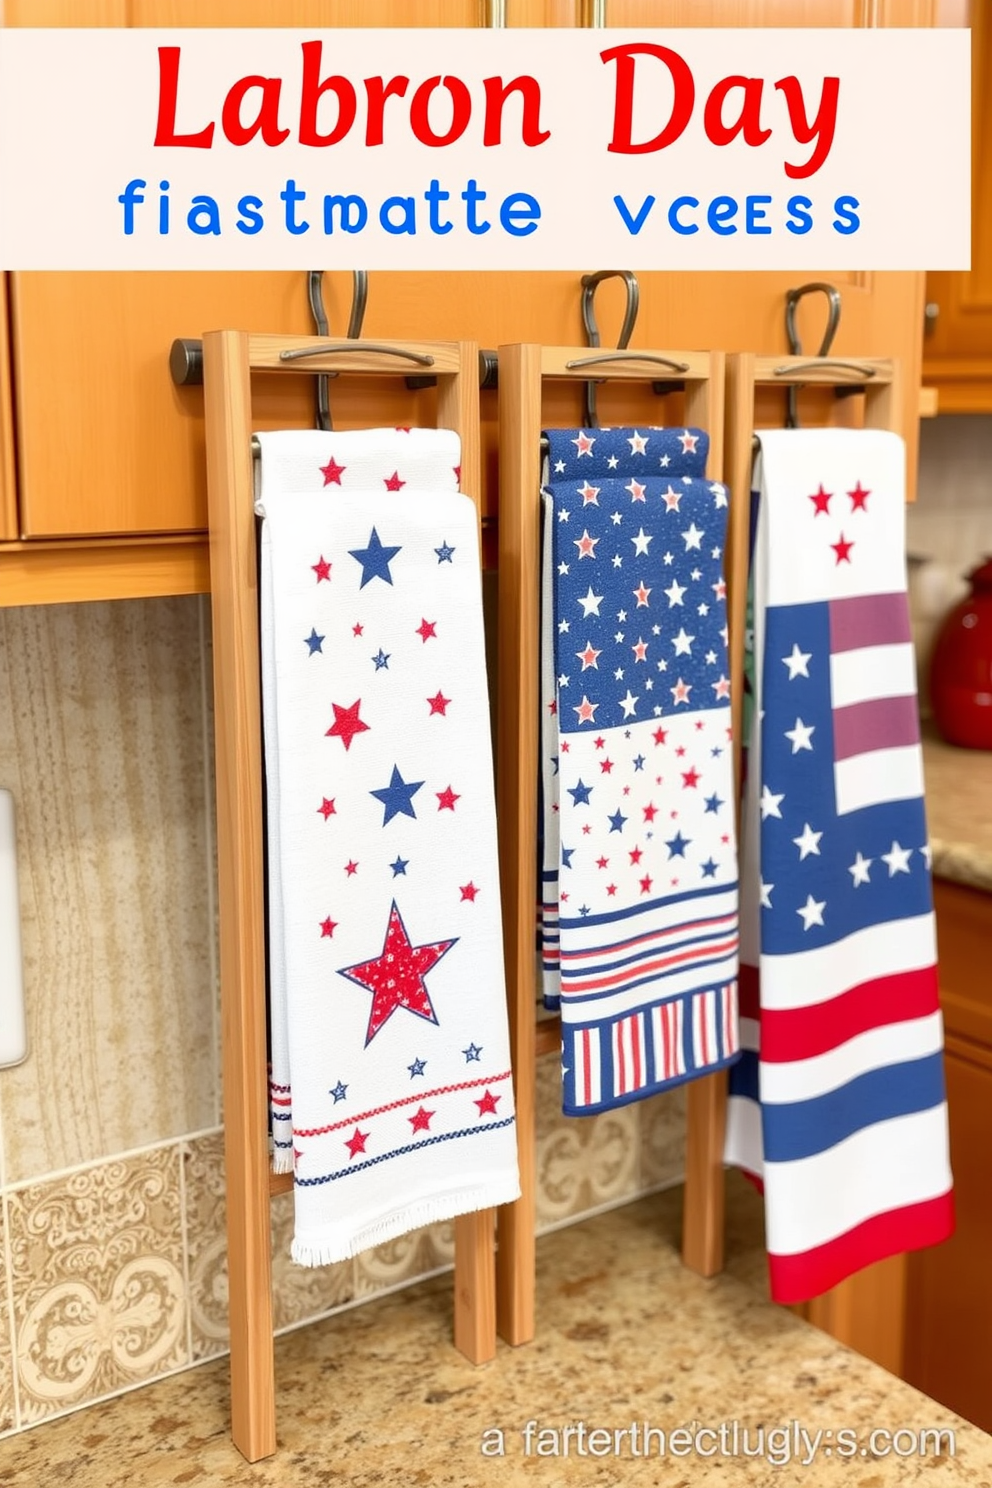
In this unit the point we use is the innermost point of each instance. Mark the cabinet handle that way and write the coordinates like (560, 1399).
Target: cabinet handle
(931, 310)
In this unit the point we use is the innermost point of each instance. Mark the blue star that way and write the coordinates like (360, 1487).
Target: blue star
(444, 553)
(716, 751)
(472, 1053)
(339, 1092)
(713, 803)
(554, 765)
(583, 909)
(709, 869)
(314, 641)
(677, 845)
(375, 560)
(417, 1067)
(638, 762)
(399, 866)
(397, 797)
(566, 856)
(616, 822)
(382, 660)
(580, 793)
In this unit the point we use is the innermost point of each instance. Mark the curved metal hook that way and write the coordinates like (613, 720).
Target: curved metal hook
(590, 283)
(359, 299)
(792, 298)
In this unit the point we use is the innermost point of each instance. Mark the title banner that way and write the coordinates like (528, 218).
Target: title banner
(488, 149)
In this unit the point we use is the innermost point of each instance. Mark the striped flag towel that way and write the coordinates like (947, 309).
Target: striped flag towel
(391, 1094)
(639, 872)
(838, 1103)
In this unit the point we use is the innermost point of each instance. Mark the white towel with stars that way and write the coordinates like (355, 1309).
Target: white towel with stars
(391, 1094)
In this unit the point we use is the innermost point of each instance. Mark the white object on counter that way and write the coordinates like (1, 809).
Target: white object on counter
(13, 1034)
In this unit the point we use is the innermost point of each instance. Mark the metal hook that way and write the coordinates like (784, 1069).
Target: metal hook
(792, 298)
(590, 283)
(359, 299)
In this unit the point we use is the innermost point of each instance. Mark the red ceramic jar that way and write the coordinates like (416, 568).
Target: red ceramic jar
(961, 667)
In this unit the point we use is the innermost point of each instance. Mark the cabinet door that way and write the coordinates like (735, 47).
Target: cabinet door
(8, 501)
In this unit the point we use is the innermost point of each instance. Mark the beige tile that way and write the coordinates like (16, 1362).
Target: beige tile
(582, 1161)
(101, 741)
(7, 1414)
(663, 1138)
(206, 1243)
(401, 1260)
(97, 1270)
(301, 1292)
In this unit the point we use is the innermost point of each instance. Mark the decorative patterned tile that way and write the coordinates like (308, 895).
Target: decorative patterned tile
(7, 1414)
(302, 1292)
(663, 1139)
(585, 1161)
(98, 1292)
(101, 742)
(206, 1243)
(402, 1260)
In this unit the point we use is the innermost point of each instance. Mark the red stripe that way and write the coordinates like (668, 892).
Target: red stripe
(396, 1105)
(618, 977)
(877, 723)
(869, 620)
(748, 993)
(802, 1033)
(658, 935)
(797, 1278)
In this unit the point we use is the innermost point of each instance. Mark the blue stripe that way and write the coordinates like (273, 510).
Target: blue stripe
(468, 1131)
(804, 1128)
(633, 910)
(643, 955)
(610, 1102)
(574, 998)
(744, 1076)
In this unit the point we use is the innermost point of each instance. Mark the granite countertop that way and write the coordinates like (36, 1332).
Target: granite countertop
(625, 1336)
(959, 810)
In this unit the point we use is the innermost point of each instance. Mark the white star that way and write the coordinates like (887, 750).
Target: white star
(692, 537)
(680, 692)
(675, 593)
(584, 444)
(562, 627)
(859, 870)
(618, 637)
(562, 515)
(664, 461)
(563, 568)
(629, 705)
(683, 643)
(711, 658)
(560, 467)
(612, 462)
(591, 603)
(688, 442)
(563, 680)
(616, 518)
(770, 803)
(618, 674)
(926, 854)
(812, 912)
(702, 609)
(719, 494)
(797, 662)
(617, 561)
(622, 615)
(671, 499)
(800, 736)
(640, 542)
(638, 443)
(808, 842)
(668, 558)
(766, 895)
(897, 858)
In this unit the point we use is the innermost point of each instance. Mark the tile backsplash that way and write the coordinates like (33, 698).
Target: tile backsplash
(112, 1242)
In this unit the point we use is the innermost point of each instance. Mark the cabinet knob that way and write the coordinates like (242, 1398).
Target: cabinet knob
(930, 312)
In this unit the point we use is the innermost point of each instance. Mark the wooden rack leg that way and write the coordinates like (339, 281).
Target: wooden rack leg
(475, 1286)
(516, 778)
(239, 849)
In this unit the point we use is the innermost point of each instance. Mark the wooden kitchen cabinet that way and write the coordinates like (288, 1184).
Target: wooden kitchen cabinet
(8, 495)
(957, 349)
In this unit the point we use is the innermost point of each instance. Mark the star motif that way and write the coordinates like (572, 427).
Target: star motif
(636, 490)
(417, 1067)
(766, 895)
(375, 559)
(589, 656)
(638, 443)
(606, 765)
(692, 537)
(638, 762)
(650, 811)
(447, 799)
(897, 858)
(396, 976)
(580, 793)
(356, 1142)
(322, 569)
(351, 868)
(629, 705)
(645, 883)
(671, 498)
(397, 797)
(811, 912)
(487, 1104)
(680, 692)
(821, 501)
(393, 482)
(472, 1053)
(616, 821)
(438, 704)
(770, 804)
(357, 630)
(677, 845)
(584, 444)
(399, 865)
(688, 442)
(859, 870)
(346, 723)
(381, 660)
(842, 549)
(801, 735)
(421, 1120)
(468, 891)
(859, 498)
(586, 544)
(591, 603)
(444, 553)
(721, 687)
(713, 803)
(709, 868)
(719, 494)
(690, 779)
(586, 710)
(588, 493)
(327, 928)
(675, 593)
(326, 809)
(640, 650)
(797, 662)
(339, 1092)
(641, 594)
(314, 642)
(683, 643)
(332, 472)
(808, 842)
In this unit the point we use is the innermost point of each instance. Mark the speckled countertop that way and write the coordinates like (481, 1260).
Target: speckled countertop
(625, 1335)
(959, 810)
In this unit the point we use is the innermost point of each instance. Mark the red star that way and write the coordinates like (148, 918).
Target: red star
(468, 891)
(393, 482)
(641, 594)
(821, 501)
(322, 569)
(680, 751)
(421, 1121)
(357, 629)
(346, 723)
(396, 976)
(640, 650)
(402, 428)
(458, 472)
(602, 862)
(586, 545)
(351, 868)
(487, 1105)
(586, 830)
(426, 629)
(357, 1142)
(650, 812)
(611, 889)
(843, 549)
(447, 799)
(599, 743)
(645, 885)
(606, 766)
(660, 736)
(690, 778)
(564, 746)
(332, 472)
(326, 808)
(552, 707)
(858, 498)
(438, 704)
(635, 855)
(327, 928)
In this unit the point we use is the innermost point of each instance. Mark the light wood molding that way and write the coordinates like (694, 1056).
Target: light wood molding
(66, 573)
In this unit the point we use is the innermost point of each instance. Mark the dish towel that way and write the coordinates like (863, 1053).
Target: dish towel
(639, 871)
(838, 1103)
(391, 1094)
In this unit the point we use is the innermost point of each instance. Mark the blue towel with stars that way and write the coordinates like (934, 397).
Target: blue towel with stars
(391, 1097)
(639, 874)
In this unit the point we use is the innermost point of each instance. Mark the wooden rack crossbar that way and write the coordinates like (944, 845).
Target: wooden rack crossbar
(523, 369)
(230, 358)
